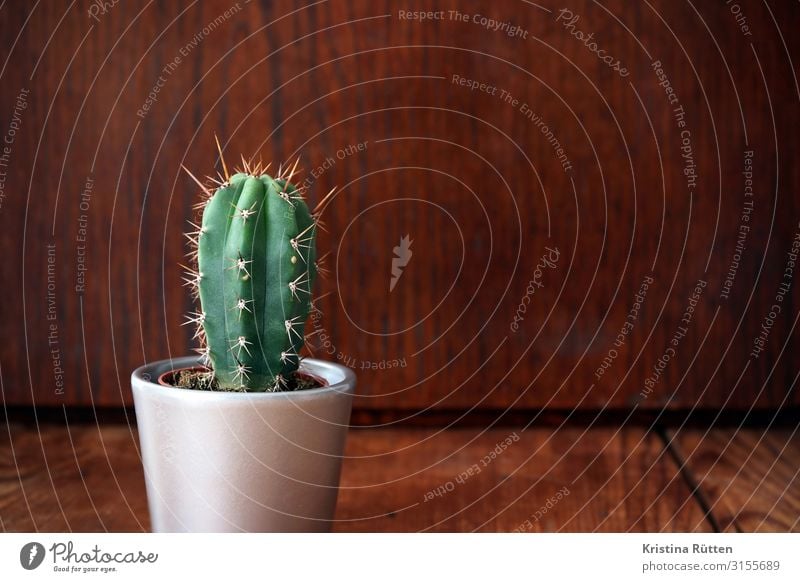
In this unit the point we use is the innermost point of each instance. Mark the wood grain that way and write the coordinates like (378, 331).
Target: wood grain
(81, 478)
(90, 479)
(566, 480)
(470, 177)
(750, 478)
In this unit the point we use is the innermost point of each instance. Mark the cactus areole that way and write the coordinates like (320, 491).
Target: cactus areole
(255, 270)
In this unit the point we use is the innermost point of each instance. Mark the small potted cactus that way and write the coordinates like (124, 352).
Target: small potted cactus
(247, 436)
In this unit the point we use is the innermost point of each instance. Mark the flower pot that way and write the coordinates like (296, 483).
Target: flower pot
(242, 461)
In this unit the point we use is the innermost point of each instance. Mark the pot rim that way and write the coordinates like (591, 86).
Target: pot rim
(339, 379)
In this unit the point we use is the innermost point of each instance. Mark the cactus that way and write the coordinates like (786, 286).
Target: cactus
(256, 264)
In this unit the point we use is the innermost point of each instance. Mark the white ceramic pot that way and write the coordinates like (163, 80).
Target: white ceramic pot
(229, 461)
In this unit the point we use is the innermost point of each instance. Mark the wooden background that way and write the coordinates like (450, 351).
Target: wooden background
(467, 175)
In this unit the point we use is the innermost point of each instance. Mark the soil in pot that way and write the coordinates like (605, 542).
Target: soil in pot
(201, 378)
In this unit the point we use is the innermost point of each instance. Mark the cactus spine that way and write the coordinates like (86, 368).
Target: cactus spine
(256, 267)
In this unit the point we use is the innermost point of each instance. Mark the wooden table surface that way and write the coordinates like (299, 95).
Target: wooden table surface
(88, 477)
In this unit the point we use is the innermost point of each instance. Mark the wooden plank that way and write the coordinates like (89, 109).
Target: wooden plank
(90, 480)
(71, 479)
(319, 77)
(614, 480)
(750, 479)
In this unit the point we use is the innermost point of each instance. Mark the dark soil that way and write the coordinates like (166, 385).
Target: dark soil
(203, 379)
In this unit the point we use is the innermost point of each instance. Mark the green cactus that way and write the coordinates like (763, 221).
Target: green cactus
(256, 267)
